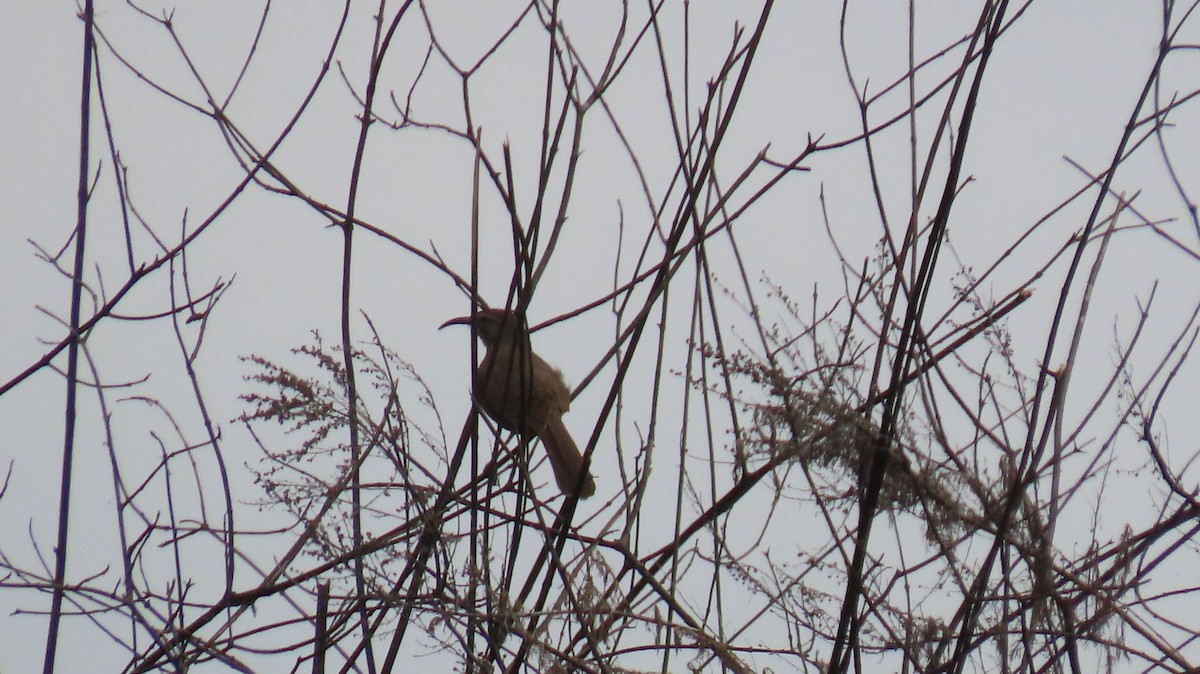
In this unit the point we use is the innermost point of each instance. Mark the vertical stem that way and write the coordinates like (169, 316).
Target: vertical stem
(378, 50)
(64, 500)
(348, 344)
(321, 638)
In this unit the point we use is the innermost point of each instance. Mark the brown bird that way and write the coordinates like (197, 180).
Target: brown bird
(526, 395)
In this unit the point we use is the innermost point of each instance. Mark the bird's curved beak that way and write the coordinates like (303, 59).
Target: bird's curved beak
(461, 320)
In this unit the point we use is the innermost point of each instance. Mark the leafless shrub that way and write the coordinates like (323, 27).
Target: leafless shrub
(923, 466)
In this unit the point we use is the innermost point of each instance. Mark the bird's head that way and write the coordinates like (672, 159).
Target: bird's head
(493, 325)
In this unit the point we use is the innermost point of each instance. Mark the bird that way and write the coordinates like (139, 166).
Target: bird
(526, 395)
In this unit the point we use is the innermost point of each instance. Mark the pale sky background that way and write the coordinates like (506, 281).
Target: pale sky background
(1062, 84)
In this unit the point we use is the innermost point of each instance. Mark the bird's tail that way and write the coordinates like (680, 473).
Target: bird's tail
(566, 459)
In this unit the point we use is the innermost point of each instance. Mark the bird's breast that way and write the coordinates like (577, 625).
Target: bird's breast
(520, 391)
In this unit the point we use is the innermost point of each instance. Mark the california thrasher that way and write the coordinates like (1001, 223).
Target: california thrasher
(526, 395)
